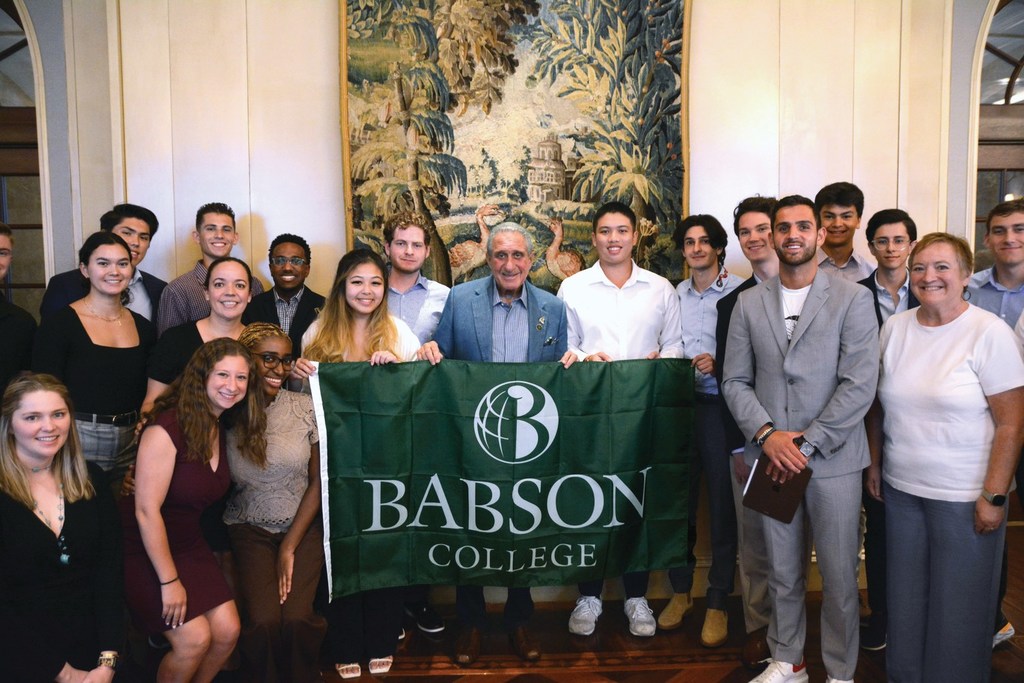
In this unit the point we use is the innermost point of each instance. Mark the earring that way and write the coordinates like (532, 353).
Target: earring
(966, 295)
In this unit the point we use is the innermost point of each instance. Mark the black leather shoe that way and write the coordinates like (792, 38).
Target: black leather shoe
(467, 646)
(755, 650)
(523, 644)
(426, 618)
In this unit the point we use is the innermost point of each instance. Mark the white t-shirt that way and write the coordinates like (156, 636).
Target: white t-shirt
(793, 301)
(933, 383)
(408, 342)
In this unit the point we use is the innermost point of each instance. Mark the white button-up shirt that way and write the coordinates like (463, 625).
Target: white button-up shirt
(626, 323)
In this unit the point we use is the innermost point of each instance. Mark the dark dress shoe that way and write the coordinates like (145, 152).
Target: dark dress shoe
(755, 650)
(524, 645)
(467, 646)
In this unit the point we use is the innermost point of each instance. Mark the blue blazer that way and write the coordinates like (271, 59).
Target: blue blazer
(68, 287)
(464, 331)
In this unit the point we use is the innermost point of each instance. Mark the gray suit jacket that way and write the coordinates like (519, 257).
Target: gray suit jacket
(464, 331)
(820, 383)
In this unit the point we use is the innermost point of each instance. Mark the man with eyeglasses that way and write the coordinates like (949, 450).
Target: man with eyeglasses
(1000, 290)
(289, 303)
(415, 299)
(891, 235)
(184, 299)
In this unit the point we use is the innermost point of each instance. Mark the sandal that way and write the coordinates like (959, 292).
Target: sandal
(381, 665)
(349, 670)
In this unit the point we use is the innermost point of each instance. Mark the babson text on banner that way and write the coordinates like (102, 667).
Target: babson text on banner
(514, 474)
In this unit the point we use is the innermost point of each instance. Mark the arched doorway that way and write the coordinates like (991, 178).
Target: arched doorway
(1001, 119)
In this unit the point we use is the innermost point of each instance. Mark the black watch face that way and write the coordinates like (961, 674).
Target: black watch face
(998, 500)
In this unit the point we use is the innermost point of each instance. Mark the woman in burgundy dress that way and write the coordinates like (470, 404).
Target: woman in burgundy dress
(173, 584)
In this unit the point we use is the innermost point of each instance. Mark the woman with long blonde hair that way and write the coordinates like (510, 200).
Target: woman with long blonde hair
(60, 551)
(355, 324)
(355, 327)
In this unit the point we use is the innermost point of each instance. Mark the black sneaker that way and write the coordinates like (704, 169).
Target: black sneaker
(873, 635)
(427, 620)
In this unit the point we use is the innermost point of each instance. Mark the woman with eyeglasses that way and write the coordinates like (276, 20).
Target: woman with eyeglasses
(61, 598)
(95, 344)
(274, 524)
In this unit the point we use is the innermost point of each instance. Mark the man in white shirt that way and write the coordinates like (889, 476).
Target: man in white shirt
(617, 311)
(839, 207)
(702, 240)
(412, 297)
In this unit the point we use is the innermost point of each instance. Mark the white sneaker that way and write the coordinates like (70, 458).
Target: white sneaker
(829, 679)
(641, 617)
(1003, 634)
(782, 672)
(583, 619)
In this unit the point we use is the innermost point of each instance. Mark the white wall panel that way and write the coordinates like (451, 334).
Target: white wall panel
(147, 131)
(734, 108)
(295, 167)
(209, 116)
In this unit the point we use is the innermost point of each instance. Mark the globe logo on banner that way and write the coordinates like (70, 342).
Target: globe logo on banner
(516, 422)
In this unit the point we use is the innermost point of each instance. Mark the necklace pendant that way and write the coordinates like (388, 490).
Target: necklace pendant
(65, 559)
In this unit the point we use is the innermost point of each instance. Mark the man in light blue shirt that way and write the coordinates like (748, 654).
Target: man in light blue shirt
(412, 297)
(702, 240)
(1000, 290)
(839, 207)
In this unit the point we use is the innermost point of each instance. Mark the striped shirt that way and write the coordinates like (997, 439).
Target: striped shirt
(510, 329)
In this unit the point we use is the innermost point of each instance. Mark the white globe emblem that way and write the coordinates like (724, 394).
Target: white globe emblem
(516, 422)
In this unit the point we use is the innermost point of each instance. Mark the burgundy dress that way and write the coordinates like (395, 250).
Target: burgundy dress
(194, 487)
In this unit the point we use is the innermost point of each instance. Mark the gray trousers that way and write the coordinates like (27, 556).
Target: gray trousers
(831, 508)
(943, 580)
(753, 561)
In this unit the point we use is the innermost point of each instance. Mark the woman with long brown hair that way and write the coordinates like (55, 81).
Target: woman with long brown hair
(173, 584)
(60, 545)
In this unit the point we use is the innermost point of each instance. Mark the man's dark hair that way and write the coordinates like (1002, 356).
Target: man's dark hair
(614, 207)
(288, 238)
(714, 229)
(839, 194)
(6, 230)
(213, 207)
(756, 204)
(794, 200)
(111, 219)
(1004, 209)
(887, 216)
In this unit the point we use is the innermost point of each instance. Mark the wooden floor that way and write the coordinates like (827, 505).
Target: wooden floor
(611, 654)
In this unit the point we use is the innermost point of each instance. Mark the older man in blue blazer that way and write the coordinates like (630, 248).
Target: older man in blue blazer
(501, 319)
(800, 372)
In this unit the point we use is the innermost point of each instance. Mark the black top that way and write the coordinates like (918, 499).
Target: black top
(18, 328)
(50, 612)
(733, 435)
(173, 351)
(70, 286)
(101, 379)
(263, 309)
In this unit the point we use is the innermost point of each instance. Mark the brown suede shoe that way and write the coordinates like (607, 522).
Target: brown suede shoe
(755, 650)
(716, 628)
(524, 645)
(467, 646)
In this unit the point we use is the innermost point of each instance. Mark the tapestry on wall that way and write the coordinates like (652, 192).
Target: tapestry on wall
(475, 112)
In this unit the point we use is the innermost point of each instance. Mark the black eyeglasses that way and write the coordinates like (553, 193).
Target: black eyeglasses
(296, 261)
(271, 360)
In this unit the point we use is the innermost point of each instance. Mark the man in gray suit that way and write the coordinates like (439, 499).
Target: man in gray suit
(800, 372)
(503, 319)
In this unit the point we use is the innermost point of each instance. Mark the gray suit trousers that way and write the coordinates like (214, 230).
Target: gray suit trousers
(832, 509)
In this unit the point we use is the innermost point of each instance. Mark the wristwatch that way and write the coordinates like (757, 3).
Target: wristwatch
(806, 447)
(107, 658)
(994, 498)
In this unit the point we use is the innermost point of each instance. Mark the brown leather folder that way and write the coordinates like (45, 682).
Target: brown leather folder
(778, 501)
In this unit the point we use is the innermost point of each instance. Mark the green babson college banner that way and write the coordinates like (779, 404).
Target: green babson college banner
(502, 474)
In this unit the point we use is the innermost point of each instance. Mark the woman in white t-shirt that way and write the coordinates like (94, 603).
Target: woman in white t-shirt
(944, 448)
